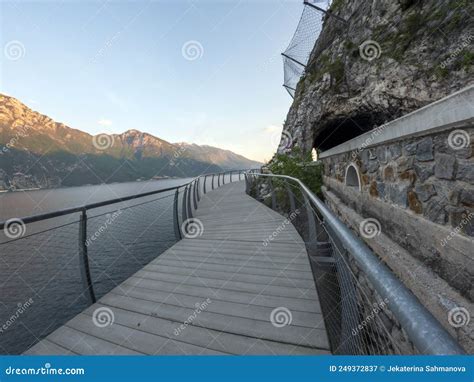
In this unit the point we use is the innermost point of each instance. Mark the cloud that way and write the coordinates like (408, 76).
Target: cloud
(272, 129)
(104, 122)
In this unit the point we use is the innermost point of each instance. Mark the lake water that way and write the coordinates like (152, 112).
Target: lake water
(40, 273)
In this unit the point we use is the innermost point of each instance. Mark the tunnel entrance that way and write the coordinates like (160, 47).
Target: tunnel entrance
(336, 131)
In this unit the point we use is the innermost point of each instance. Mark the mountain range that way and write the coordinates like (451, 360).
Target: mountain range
(37, 152)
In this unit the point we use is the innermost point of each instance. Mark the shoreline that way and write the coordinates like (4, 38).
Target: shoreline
(83, 185)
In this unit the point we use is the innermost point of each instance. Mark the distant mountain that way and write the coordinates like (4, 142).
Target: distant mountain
(224, 158)
(37, 152)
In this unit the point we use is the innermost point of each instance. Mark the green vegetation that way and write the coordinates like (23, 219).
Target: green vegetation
(467, 59)
(401, 41)
(458, 4)
(336, 5)
(326, 65)
(337, 70)
(413, 23)
(440, 72)
(299, 166)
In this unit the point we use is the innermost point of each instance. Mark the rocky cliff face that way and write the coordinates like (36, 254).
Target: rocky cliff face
(37, 152)
(390, 57)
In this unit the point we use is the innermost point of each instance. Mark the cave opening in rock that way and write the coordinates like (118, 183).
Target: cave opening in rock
(337, 131)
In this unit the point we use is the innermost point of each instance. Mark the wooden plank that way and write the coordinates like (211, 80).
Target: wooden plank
(270, 289)
(47, 347)
(291, 334)
(138, 340)
(252, 262)
(280, 280)
(241, 255)
(204, 337)
(232, 269)
(86, 344)
(232, 244)
(262, 299)
(217, 306)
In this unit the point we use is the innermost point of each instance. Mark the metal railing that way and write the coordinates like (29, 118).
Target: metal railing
(366, 308)
(42, 265)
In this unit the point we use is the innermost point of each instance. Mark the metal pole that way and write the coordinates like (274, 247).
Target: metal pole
(311, 221)
(212, 185)
(205, 181)
(218, 180)
(292, 59)
(84, 258)
(272, 190)
(223, 178)
(183, 207)
(189, 212)
(195, 186)
(231, 176)
(288, 91)
(291, 197)
(328, 12)
(198, 189)
(177, 230)
(288, 87)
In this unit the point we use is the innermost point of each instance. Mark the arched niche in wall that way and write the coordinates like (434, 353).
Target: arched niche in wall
(352, 176)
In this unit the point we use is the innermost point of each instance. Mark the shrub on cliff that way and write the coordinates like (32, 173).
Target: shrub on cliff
(301, 166)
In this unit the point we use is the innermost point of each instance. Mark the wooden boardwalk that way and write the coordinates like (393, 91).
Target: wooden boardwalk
(222, 292)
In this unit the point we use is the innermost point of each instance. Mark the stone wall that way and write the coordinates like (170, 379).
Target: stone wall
(419, 189)
(424, 177)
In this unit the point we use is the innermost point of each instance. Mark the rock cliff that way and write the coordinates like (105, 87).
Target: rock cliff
(390, 57)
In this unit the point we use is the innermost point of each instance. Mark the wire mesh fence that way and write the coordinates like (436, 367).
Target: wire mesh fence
(358, 320)
(297, 55)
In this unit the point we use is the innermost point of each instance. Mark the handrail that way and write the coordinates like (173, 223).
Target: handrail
(426, 333)
(67, 211)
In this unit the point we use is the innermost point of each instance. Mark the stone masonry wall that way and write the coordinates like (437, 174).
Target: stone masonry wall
(429, 186)
(420, 189)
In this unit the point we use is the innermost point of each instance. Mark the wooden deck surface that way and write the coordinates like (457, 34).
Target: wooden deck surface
(222, 292)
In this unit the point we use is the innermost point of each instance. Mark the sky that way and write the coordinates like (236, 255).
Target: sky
(205, 72)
